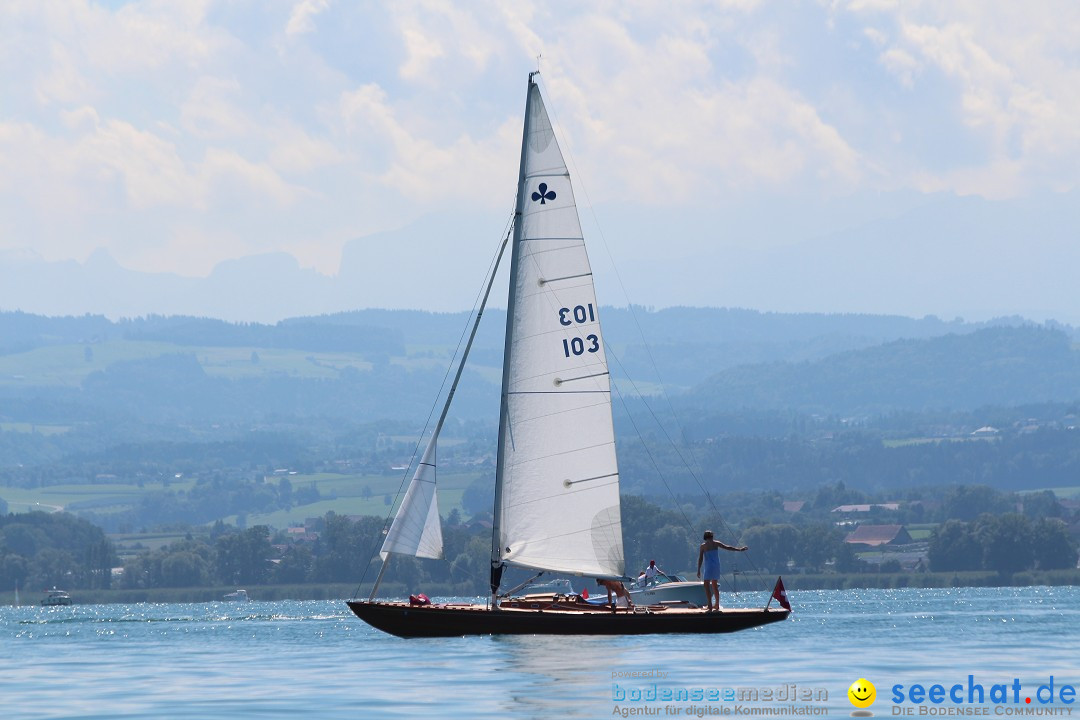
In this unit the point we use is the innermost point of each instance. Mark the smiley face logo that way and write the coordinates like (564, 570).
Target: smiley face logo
(862, 693)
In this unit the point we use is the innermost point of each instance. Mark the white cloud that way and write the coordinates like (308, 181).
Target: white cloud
(302, 18)
(663, 127)
(875, 36)
(147, 168)
(213, 111)
(292, 151)
(63, 82)
(199, 124)
(433, 31)
(229, 179)
(421, 169)
(79, 118)
(901, 64)
(422, 50)
(1017, 89)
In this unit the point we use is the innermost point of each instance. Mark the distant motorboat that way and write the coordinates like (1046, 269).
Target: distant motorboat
(666, 588)
(553, 587)
(54, 598)
(238, 596)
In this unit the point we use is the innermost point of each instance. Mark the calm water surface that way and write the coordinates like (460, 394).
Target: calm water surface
(315, 659)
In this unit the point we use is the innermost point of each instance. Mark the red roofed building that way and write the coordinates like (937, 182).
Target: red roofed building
(875, 535)
(866, 508)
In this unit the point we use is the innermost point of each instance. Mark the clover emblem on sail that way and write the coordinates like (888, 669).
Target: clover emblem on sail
(544, 195)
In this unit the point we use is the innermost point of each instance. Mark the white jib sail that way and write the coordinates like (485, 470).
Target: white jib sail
(416, 529)
(560, 481)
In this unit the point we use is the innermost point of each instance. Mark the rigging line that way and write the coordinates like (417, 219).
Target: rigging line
(727, 529)
(652, 458)
(626, 295)
(622, 286)
(507, 229)
(701, 486)
(637, 323)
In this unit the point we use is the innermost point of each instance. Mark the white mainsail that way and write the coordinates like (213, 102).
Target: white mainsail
(558, 479)
(416, 529)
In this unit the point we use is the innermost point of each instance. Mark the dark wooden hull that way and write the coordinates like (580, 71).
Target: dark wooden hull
(406, 621)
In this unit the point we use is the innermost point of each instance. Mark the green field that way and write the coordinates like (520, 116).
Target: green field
(903, 442)
(67, 365)
(350, 500)
(233, 363)
(129, 545)
(1061, 492)
(60, 497)
(343, 494)
(33, 428)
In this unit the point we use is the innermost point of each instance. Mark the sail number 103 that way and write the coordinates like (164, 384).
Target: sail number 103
(579, 314)
(576, 316)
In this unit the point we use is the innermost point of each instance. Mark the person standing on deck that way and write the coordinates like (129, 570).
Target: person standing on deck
(708, 560)
(615, 587)
(651, 572)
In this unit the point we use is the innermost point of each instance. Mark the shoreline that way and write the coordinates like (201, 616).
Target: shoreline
(343, 591)
(949, 579)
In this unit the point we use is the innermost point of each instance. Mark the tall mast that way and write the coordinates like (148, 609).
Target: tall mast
(504, 420)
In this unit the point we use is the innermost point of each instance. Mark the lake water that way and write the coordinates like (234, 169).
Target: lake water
(316, 660)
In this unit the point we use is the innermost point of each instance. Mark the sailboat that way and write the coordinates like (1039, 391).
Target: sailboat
(557, 477)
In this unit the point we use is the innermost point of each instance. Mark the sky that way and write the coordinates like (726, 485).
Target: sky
(864, 156)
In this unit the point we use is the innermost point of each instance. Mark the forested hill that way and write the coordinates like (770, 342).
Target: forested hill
(389, 364)
(1001, 366)
(685, 344)
(20, 332)
(213, 418)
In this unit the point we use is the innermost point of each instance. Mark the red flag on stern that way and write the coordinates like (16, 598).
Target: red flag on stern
(780, 594)
(585, 594)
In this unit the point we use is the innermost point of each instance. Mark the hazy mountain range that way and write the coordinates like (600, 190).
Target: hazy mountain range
(1002, 366)
(373, 364)
(947, 256)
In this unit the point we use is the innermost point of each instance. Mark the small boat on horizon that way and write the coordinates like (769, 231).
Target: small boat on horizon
(237, 596)
(55, 598)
